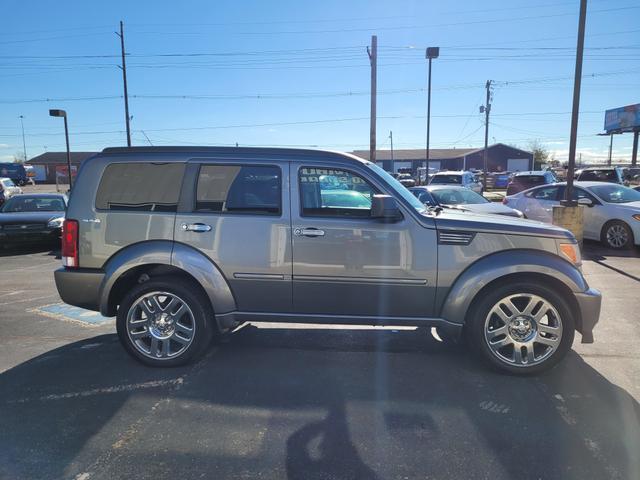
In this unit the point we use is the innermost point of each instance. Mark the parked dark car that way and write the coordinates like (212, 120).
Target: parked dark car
(14, 171)
(35, 218)
(522, 181)
(602, 174)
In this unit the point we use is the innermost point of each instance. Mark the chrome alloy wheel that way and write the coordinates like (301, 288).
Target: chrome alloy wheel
(523, 330)
(160, 325)
(617, 236)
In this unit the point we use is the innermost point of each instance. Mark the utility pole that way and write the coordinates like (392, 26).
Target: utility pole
(634, 151)
(610, 149)
(393, 169)
(568, 192)
(373, 59)
(24, 143)
(432, 52)
(124, 81)
(486, 109)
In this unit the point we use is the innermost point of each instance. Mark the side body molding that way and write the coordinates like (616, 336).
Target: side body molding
(492, 267)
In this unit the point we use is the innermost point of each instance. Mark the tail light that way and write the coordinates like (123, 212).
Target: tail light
(70, 243)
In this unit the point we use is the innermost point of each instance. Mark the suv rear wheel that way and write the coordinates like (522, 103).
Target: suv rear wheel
(163, 322)
(522, 328)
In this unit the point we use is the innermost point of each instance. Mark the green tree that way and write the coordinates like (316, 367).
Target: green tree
(540, 154)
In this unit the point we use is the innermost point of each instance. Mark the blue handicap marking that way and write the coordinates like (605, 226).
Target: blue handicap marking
(62, 310)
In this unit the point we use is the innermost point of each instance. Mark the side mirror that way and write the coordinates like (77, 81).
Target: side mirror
(587, 202)
(385, 208)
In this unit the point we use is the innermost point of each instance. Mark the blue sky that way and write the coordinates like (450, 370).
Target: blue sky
(296, 72)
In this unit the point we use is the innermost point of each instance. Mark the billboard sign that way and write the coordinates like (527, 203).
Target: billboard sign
(622, 119)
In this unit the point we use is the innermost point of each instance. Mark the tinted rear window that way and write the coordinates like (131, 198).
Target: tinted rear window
(151, 187)
(530, 179)
(446, 179)
(599, 175)
(250, 189)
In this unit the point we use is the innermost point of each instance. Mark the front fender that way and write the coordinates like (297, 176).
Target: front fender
(500, 264)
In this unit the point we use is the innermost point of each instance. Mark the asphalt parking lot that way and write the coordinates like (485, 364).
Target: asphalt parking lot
(310, 402)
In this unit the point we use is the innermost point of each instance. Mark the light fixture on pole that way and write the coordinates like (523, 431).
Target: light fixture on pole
(63, 114)
(432, 52)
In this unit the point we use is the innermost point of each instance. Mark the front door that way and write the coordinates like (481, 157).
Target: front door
(538, 204)
(238, 216)
(346, 263)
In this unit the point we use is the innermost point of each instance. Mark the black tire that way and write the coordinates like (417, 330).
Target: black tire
(202, 321)
(475, 327)
(620, 227)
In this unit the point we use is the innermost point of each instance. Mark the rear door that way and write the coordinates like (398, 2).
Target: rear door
(539, 202)
(237, 214)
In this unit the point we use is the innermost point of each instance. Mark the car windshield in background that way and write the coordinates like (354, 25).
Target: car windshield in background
(445, 179)
(529, 179)
(398, 187)
(599, 176)
(616, 193)
(7, 183)
(457, 196)
(24, 203)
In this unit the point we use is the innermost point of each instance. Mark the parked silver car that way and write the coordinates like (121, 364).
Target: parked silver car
(612, 213)
(461, 198)
(185, 243)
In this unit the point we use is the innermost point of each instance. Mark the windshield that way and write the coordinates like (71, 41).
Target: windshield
(445, 179)
(23, 203)
(398, 187)
(616, 193)
(7, 182)
(457, 196)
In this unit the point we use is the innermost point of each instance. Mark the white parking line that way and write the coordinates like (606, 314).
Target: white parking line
(28, 299)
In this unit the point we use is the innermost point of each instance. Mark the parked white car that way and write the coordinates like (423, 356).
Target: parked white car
(611, 214)
(464, 179)
(8, 189)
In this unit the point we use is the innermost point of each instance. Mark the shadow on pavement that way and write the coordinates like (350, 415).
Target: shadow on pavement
(13, 250)
(307, 404)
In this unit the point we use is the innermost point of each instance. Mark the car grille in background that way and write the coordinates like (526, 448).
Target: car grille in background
(26, 228)
(455, 238)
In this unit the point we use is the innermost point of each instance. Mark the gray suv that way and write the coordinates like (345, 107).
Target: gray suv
(184, 244)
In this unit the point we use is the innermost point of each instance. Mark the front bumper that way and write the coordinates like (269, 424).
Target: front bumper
(589, 304)
(79, 287)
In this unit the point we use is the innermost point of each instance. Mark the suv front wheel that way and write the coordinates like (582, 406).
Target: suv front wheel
(164, 322)
(522, 328)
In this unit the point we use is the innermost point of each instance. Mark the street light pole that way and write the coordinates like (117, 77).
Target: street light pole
(63, 114)
(392, 162)
(432, 52)
(24, 143)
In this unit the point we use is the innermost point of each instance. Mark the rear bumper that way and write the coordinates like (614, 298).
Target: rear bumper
(589, 305)
(79, 287)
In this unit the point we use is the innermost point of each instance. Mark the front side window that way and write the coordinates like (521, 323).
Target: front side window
(334, 193)
(544, 193)
(244, 189)
(149, 187)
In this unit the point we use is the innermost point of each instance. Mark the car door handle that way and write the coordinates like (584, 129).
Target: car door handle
(309, 232)
(196, 227)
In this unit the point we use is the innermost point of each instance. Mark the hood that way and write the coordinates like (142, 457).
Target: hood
(488, 208)
(478, 222)
(28, 217)
(633, 206)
